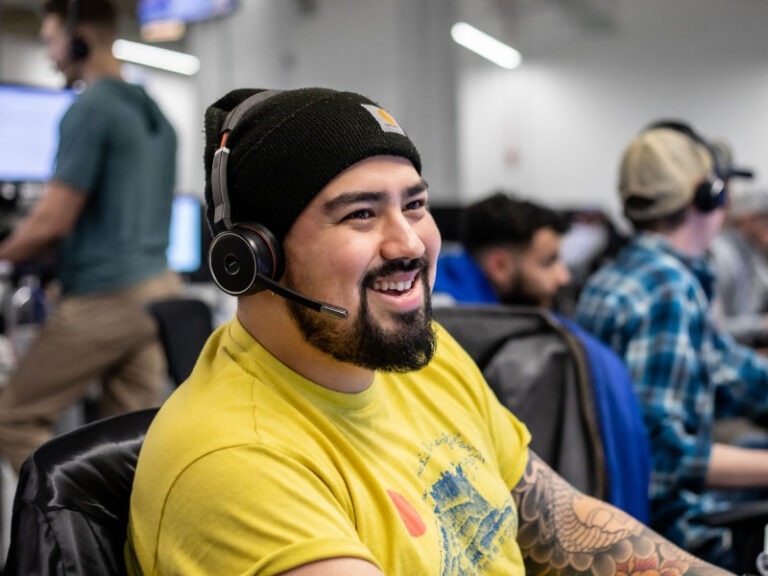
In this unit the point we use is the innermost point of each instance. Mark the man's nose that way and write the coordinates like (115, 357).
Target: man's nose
(401, 239)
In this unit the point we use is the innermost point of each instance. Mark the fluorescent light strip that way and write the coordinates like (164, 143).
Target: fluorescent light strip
(486, 46)
(156, 57)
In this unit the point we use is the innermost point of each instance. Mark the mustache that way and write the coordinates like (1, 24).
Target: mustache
(396, 266)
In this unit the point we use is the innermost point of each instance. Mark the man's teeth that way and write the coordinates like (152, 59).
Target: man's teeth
(399, 286)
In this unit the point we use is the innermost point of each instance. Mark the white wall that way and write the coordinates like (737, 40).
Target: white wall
(397, 52)
(554, 129)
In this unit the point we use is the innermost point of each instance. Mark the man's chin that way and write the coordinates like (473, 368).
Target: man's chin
(397, 320)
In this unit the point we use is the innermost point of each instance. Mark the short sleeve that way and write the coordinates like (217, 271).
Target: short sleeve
(82, 145)
(274, 514)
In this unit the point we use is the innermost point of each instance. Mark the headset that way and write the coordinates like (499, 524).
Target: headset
(245, 257)
(78, 48)
(711, 193)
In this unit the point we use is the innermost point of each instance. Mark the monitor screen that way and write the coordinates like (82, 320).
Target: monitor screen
(149, 11)
(185, 243)
(29, 131)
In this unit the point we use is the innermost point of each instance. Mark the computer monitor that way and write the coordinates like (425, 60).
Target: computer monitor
(189, 238)
(29, 131)
(149, 11)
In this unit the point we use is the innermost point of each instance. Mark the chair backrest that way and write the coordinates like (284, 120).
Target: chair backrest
(184, 325)
(578, 405)
(533, 370)
(70, 511)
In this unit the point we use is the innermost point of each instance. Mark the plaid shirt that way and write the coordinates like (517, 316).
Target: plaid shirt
(652, 306)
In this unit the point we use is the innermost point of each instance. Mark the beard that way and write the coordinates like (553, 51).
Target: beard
(365, 343)
(521, 299)
(518, 295)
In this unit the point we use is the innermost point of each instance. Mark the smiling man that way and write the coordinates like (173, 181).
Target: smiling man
(332, 428)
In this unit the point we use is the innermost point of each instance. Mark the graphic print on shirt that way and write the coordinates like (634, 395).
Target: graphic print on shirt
(413, 522)
(473, 530)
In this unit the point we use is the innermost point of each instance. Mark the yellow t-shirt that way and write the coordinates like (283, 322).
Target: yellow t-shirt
(250, 468)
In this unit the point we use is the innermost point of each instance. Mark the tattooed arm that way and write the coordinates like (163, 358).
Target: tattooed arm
(562, 531)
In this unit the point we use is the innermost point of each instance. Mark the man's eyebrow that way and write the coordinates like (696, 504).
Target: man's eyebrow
(349, 198)
(417, 188)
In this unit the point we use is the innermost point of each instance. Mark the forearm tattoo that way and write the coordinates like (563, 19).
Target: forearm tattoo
(562, 531)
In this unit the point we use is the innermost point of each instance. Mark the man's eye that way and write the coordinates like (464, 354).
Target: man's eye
(362, 214)
(416, 205)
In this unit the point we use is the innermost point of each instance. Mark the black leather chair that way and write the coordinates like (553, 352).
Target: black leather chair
(70, 511)
(184, 325)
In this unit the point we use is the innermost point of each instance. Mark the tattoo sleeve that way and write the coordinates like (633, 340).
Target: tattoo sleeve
(562, 531)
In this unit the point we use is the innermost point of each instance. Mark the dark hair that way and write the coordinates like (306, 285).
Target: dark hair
(504, 219)
(99, 12)
(665, 223)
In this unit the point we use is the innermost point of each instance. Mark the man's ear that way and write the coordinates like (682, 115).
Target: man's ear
(499, 265)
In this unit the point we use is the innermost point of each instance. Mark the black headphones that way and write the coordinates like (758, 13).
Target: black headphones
(239, 252)
(78, 48)
(710, 194)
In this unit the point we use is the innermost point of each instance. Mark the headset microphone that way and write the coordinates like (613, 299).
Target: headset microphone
(328, 309)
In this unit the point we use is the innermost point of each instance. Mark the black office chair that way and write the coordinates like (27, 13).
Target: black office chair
(184, 325)
(70, 511)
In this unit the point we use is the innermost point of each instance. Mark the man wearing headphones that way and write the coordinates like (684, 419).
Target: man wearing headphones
(332, 428)
(652, 305)
(107, 211)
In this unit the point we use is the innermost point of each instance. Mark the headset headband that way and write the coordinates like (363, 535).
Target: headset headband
(73, 15)
(219, 193)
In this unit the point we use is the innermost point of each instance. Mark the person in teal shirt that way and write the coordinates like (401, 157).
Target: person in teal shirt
(107, 212)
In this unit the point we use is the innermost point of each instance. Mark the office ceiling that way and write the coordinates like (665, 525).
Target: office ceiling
(591, 14)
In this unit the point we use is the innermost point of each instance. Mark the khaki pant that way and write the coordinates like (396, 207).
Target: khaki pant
(108, 337)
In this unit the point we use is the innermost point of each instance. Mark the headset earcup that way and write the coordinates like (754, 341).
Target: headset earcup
(707, 196)
(237, 258)
(78, 49)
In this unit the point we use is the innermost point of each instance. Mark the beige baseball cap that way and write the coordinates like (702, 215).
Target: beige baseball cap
(659, 173)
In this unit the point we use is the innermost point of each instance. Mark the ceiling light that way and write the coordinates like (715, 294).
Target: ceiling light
(156, 57)
(486, 46)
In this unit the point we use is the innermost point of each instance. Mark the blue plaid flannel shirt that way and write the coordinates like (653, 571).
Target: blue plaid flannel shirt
(652, 306)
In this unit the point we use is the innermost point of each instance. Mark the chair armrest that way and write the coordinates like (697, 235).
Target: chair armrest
(736, 514)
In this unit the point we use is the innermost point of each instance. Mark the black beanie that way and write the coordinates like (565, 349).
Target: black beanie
(285, 149)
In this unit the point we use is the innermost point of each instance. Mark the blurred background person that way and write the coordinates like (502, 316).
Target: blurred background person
(510, 254)
(652, 306)
(592, 240)
(107, 210)
(740, 257)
